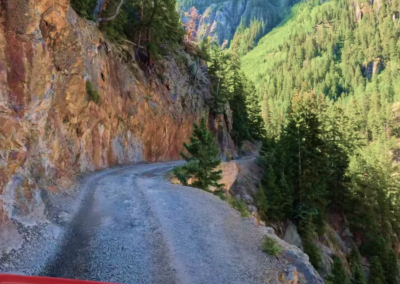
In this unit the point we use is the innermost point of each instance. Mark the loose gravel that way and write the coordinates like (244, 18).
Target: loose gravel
(132, 226)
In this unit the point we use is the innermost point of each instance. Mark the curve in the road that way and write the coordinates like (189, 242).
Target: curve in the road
(135, 227)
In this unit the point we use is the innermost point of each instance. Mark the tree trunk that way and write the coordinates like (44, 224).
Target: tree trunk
(149, 29)
(102, 20)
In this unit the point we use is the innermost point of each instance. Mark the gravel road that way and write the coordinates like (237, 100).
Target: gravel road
(135, 227)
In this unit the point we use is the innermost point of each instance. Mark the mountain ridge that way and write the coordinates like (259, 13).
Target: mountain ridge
(221, 20)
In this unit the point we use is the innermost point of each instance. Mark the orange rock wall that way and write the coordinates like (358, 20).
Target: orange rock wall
(49, 130)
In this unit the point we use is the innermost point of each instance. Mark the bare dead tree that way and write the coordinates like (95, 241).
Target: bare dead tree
(102, 20)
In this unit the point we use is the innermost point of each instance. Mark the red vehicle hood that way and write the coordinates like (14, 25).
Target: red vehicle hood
(18, 279)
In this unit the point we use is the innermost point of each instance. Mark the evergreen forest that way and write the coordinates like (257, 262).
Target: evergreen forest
(329, 87)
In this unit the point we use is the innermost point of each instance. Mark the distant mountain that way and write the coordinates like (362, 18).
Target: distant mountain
(223, 19)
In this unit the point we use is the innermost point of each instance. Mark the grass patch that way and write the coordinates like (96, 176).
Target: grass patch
(221, 194)
(271, 247)
(239, 205)
(92, 94)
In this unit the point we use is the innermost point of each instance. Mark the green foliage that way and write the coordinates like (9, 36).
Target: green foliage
(262, 203)
(338, 274)
(221, 193)
(271, 247)
(91, 93)
(323, 44)
(376, 274)
(279, 195)
(115, 29)
(257, 18)
(203, 159)
(241, 122)
(230, 86)
(313, 252)
(246, 37)
(297, 175)
(84, 7)
(256, 126)
(334, 149)
(153, 24)
(358, 276)
(218, 73)
(308, 235)
(357, 272)
(379, 247)
(391, 268)
(240, 206)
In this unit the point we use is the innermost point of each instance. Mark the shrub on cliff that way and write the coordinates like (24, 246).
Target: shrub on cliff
(84, 8)
(202, 160)
(376, 274)
(357, 273)
(338, 274)
(308, 236)
(271, 247)
(92, 94)
(239, 205)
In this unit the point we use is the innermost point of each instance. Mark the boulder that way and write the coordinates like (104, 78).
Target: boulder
(292, 236)
(296, 259)
(344, 248)
(290, 276)
(252, 209)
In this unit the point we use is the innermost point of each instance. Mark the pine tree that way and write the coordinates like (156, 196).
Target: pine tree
(305, 148)
(335, 148)
(84, 7)
(338, 274)
(391, 267)
(202, 161)
(240, 128)
(255, 120)
(273, 194)
(286, 206)
(376, 275)
(308, 236)
(337, 151)
(357, 275)
(262, 203)
(357, 272)
(217, 71)
(147, 23)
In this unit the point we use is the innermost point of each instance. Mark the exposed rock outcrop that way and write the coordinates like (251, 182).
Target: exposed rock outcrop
(50, 129)
(292, 236)
(299, 268)
(220, 19)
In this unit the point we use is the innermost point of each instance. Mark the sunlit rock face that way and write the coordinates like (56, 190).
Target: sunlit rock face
(50, 130)
(221, 18)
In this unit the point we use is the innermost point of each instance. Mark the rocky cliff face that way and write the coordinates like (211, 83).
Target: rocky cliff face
(220, 19)
(50, 129)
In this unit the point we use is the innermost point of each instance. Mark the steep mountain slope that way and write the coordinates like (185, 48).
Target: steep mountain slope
(71, 102)
(346, 50)
(329, 82)
(221, 19)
